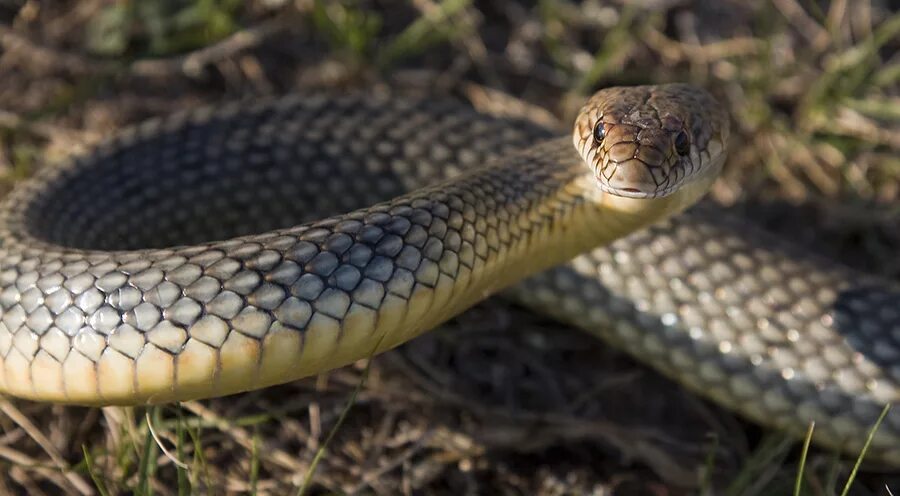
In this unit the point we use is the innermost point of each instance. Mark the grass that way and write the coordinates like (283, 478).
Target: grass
(804, 454)
(307, 480)
(806, 86)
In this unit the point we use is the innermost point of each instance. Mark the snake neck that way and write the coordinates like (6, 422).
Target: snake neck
(524, 214)
(545, 208)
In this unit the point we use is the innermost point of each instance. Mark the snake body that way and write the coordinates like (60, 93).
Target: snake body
(112, 291)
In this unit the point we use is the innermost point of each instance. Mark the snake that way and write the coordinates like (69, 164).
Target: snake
(230, 248)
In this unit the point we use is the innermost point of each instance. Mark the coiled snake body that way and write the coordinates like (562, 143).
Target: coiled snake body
(113, 292)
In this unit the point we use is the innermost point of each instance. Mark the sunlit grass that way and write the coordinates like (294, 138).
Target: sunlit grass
(803, 114)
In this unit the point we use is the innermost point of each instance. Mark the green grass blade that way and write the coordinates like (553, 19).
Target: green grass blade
(147, 463)
(184, 484)
(422, 33)
(865, 448)
(195, 434)
(613, 48)
(254, 461)
(803, 455)
(709, 466)
(350, 402)
(89, 463)
(770, 453)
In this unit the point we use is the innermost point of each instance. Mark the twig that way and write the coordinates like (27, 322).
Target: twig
(242, 437)
(25, 463)
(806, 26)
(11, 120)
(174, 459)
(25, 423)
(193, 63)
(13, 41)
(190, 64)
(370, 476)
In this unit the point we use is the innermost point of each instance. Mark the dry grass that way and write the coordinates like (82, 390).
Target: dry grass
(499, 400)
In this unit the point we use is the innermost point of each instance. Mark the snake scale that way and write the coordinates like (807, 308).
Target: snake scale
(112, 290)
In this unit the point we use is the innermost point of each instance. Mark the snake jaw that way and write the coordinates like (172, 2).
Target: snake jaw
(646, 191)
(634, 162)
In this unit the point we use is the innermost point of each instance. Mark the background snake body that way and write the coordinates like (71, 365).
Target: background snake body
(98, 308)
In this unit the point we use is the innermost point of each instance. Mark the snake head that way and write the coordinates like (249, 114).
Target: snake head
(650, 141)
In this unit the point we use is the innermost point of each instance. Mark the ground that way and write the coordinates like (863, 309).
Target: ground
(499, 400)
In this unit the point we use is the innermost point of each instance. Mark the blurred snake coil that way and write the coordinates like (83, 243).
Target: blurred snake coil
(183, 259)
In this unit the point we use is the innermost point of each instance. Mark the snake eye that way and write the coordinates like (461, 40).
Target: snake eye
(682, 143)
(599, 132)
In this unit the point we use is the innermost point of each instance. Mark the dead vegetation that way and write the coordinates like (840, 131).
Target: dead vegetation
(498, 401)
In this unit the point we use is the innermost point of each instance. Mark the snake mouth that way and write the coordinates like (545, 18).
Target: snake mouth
(631, 192)
(634, 180)
(631, 177)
